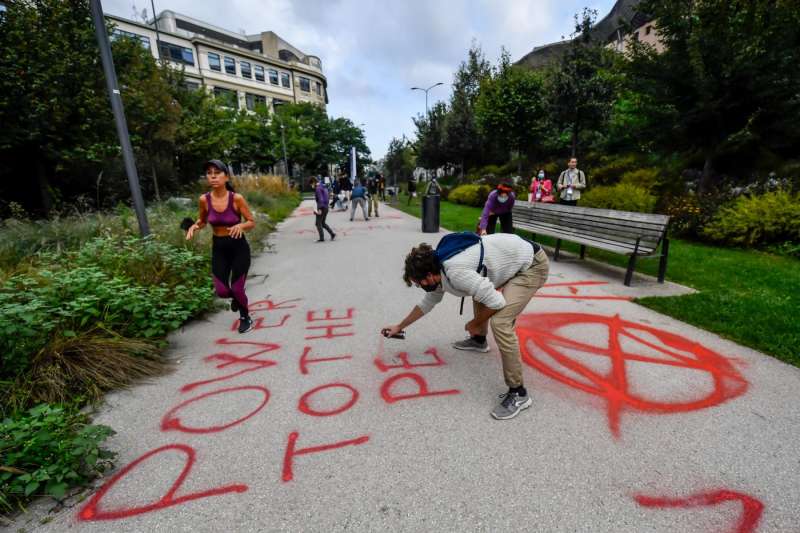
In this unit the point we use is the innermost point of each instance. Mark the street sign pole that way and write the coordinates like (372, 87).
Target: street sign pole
(119, 114)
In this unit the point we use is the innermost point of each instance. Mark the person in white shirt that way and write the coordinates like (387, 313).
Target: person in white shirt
(515, 270)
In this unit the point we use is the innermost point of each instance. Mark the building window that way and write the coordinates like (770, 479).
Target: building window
(318, 88)
(277, 102)
(176, 53)
(191, 85)
(254, 100)
(647, 30)
(244, 66)
(285, 80)
(305, 84)
(122, 34)
(273, 76)
(259, 73)
(214, 62)
(230, 65)
(226, 97)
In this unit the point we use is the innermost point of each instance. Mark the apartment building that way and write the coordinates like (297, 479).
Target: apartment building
(244, 71)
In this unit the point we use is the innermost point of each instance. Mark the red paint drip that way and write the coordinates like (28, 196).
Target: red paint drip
(388, 397)
(538, 334)
(752, 508)
(291, 452)
(92, 511)
(303, 406)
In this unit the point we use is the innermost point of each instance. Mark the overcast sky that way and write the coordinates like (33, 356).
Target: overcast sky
(374, 51)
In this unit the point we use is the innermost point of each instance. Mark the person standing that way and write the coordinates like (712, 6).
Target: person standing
(382, 187)
(412, 190)
(358, 198)
(498, 206)
(347, 187)
(373, 188)
(541, 188)
(570, 183)
(223, 209)
(501, 273)
(321, 212)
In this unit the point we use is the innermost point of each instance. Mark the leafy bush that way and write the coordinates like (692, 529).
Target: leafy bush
(65, 301)
(265, 184)
(646, 178)
(474, 195)
(771, 218)
(613, 169)
(49, 450)
(622, 196)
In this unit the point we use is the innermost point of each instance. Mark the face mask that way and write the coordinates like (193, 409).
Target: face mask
(502, 199)
(429, 288)
(541, 175)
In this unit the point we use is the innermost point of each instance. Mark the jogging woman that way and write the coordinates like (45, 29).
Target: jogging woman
(230, 253)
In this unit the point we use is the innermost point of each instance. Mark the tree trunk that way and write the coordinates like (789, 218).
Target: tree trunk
(44, 186)
(155, 179)
(708, 173)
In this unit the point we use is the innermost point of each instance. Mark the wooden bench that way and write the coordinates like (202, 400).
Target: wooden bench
(622, 232)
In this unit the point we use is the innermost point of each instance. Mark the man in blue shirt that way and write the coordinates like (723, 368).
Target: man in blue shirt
(358, 197)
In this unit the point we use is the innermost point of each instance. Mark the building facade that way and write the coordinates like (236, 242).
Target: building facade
(244, 71)
(616, 30)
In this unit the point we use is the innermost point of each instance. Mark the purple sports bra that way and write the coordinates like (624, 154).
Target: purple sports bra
(227, 218)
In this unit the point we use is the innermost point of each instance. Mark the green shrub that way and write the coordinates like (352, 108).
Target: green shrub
(49, 450)
(646, 178)
(771, 218)
(474, 195)
(622, 196)
(612, 170)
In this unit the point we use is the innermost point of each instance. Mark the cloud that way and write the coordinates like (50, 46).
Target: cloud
(373, 51)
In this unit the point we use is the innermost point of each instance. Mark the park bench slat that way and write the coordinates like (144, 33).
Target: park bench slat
(623, 232)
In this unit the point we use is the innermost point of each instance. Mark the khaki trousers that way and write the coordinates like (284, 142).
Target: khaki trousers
(517, 292)
(373, 202)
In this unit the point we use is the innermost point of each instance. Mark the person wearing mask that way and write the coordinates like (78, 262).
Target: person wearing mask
(373, 188)
(321, 212)
(511, 269)
(541, 188)
(498, 206)
(223, 209)
(570, 183)
(358, 198)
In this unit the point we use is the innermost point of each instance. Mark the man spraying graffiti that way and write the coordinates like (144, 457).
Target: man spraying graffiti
(501, 273)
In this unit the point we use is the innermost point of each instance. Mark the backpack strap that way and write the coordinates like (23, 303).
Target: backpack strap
(481, 267)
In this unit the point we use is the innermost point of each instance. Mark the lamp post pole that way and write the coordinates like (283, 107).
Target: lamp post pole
(427, 112)
(119, 114)
(283, 142)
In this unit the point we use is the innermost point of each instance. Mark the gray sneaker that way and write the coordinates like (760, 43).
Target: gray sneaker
(472, 345)
(511, 405)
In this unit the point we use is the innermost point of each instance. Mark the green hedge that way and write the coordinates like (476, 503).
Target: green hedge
(771, 218)
(474, 195)
(622, 196)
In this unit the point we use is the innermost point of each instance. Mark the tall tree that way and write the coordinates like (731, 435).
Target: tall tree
(728, 75)
(431, 152)
(580, 89)
(511, 107)
(461, 138)
(399, 161)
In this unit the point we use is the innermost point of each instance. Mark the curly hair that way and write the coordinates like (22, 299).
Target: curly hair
(420, 262)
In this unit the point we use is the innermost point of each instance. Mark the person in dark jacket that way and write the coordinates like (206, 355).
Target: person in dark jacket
(321, 195)
(373, 187)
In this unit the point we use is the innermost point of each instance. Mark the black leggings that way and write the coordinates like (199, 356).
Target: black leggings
(230, 261)
(320, 222)
(505, 223)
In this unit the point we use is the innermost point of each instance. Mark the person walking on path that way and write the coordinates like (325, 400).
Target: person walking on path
(223, 209)
(321, 212)
(498, 206)
(570, 183)
(358, 198)
(347, 186)
(501, 273)
(541, 189)
(373, 188)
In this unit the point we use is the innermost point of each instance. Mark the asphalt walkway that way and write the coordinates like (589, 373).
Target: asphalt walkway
(314, 422)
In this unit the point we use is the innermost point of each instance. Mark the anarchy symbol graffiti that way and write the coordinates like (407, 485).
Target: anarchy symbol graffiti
(546, 347)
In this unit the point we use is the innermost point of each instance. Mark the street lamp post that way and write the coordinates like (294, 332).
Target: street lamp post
(427, 112)
(285, 162)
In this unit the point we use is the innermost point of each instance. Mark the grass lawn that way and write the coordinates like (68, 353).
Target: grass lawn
(747, 296)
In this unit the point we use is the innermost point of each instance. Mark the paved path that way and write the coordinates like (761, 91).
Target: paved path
(312, 422)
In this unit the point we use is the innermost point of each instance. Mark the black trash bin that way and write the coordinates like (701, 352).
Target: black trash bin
(430, 208)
